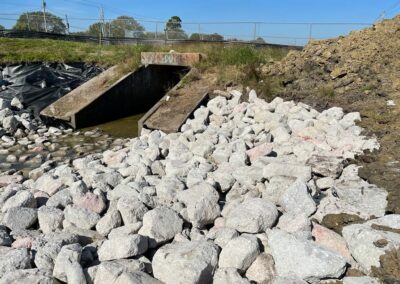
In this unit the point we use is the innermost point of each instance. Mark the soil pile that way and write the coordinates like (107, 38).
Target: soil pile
(364, 63)
(359, 72)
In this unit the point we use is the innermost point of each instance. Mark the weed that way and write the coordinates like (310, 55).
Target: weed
(327, 91)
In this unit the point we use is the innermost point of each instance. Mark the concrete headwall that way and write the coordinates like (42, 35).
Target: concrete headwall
(133, 94)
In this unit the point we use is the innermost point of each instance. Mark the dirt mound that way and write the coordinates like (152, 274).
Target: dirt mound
(366, 62)
(359, 72)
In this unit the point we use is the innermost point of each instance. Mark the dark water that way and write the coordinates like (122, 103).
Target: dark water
(122, 128)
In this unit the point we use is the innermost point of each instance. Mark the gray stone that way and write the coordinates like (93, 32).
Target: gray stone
(253, 215)
(221, 154)
(239, 253)
(122, 191)
(228, 276)
(81, 217)
(137, 277)
(354, 196)
(49, 184)
(13, 260)
(349, 119)
(32, 276)
(276, 186)
(160, 225)
(201, 202)
(10, 123)
(303, 258)
(20, 218)
(297, 199)
(327, 166)
(111, 220)
(280, 134)
(223, 177)
(248, 176)
(123, 247)
(169, 187)
(48, 247)
(131, 210)
(50, 219)
(218, 106)
(363, 242)
(67, 267)
(391, 221)
(298, 224)
(262, 270)
(15, 102)
(61, 199)
(109, 271)
(286, 169)
(222, 236)
(129, 229)
(324, 183)
(23, 198)
(186, 262)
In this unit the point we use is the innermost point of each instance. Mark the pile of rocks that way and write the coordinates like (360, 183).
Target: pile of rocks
(236, 196)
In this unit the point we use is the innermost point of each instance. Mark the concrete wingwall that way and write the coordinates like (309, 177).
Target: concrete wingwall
(134, 94)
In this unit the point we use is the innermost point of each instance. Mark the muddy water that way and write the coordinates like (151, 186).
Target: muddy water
(122, 128)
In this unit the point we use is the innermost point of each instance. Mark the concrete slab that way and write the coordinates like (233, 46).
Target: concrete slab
(172, 111)
(65, 107)
(170, 58)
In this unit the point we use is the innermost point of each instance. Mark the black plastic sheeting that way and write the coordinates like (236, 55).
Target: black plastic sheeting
(38, 85)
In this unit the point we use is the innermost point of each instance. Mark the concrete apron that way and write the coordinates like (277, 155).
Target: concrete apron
(94, 102)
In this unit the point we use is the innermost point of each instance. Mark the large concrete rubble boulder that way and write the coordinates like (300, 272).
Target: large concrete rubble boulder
(186, 262)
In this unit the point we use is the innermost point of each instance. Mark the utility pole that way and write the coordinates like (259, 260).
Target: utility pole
(44, 15)
(29, 22)
(101, 30)
(67, 23)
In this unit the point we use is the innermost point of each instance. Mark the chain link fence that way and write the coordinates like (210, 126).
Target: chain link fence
(271, 33)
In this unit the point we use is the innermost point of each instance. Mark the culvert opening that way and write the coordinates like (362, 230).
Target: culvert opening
(118, 111)
(98, 102)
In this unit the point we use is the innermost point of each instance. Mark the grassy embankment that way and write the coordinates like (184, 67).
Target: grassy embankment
(237, 63)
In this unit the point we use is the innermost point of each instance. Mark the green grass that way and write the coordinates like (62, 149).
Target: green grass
(35, 50)
(237, 63)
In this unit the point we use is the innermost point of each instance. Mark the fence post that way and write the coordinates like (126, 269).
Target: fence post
(255, 31)
(311, 30)
(156, 35)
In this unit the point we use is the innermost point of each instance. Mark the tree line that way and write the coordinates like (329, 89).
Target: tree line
(123, 26)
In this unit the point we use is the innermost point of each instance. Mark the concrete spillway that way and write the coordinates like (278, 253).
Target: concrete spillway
(98, 101)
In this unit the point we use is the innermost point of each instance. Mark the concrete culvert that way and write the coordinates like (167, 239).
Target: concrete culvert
(94, 102)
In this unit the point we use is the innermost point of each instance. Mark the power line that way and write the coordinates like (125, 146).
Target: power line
(387, 11)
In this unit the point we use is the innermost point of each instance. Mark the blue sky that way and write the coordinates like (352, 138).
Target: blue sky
(335, 11)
